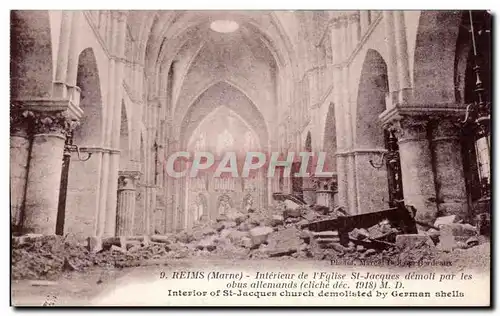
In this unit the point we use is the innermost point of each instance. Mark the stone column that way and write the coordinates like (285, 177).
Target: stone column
(61, 68)
(44, 176)
(416, 167)
(354, 29)
(342, 180)
(340, 129)
(403, 68)
(371, 183)
(19, 154)
(309, 191)
(125, 215)
(324, 198)
(391, 58)
(450, 179)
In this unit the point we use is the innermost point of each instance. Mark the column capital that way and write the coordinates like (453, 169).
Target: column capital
(411, 121)
(445, 128)
(19, 122)
(324, 183)
(339, 21)
(127, 180)
(409, 128)
(120, 15)
(58, 122)
(353, 17)
(429, 111)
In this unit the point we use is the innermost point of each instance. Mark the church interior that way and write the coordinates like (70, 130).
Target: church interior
(398, 100)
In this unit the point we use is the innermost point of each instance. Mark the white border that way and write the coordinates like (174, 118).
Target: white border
(185, 4)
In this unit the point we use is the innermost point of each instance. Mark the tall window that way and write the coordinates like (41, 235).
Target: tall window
(225, 142)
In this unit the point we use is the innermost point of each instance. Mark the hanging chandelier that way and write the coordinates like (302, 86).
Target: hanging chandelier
(478, 116)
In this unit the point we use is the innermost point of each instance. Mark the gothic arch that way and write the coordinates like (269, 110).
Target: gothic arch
(140, 209)
(308, 142)
(125, 136)
(222, 93)
(90, 131)
(330, 138)
(31, 63)
(434, 60)
(371, 183)
(84, 176)
(373, 88)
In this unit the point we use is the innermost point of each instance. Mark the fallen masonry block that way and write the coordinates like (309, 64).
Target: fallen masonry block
(369, 252)
(359, 234)
(28, 238)
(244, 227)
(133, 243)
(94, 244)
(444, 220)
(68, 266)
(219, 226)
(472, 241)
(460, 245)
(146, 240)
(135, 238)
(281, 252)
(221, 218)
(111, 241)
(161, 238)
(461, 232)
(309, 215)
(291, 205)
(259, 234)
(325, 234)
(413, 241)
(207, 243)
(236, 235)
(246, 242)
(134, 248)
(322, 241)
(321, 209)
(117, 249)
(239, 218)
(335, 246)
(225, 233)
(229, 224)
(292, 213)
(123, 242)
(446, 238)
(434, 235)
(276, 220)
(305, 236)
(302, 223)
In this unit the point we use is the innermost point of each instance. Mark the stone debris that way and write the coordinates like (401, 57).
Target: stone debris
(444, 220)
(279, 232)
(413, 241)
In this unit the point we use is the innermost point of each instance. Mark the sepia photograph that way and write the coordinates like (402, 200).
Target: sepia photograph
(250, 158)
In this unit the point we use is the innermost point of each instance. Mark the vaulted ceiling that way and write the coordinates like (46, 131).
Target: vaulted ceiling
(246, 60)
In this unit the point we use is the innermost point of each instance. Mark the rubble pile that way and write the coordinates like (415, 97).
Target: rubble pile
(255, 234)
(45, 257)
(280, 232)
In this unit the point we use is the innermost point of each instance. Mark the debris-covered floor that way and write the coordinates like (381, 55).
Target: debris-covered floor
(278, 234)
